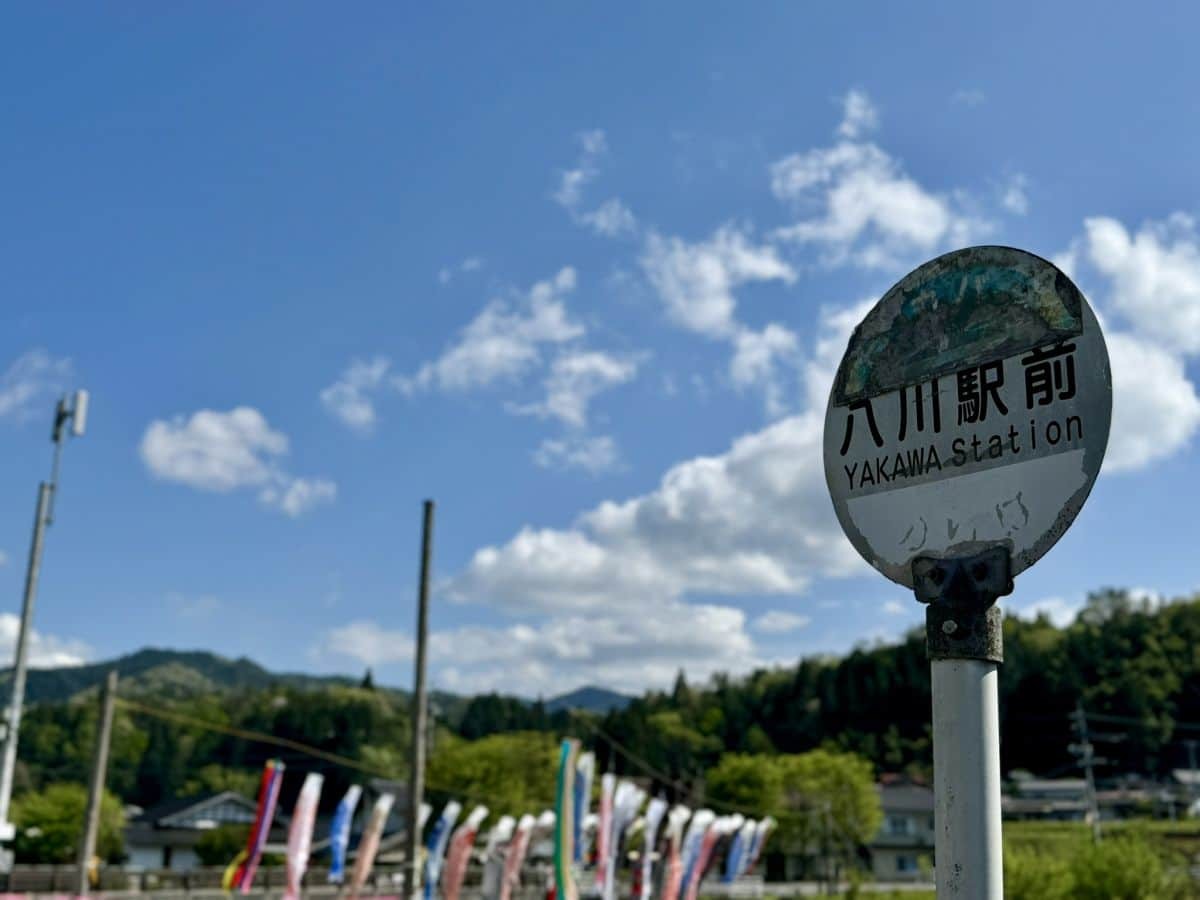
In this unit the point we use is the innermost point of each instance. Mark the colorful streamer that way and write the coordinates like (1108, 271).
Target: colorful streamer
(718, 829)
(585, 771)
(654, 816)
(339, 833)
(564, 815)
(673, 873)
(691, 846)
(627, 800)
(493, 860)
(460, 852)
(368, 844)
(761, 833)
(435, 849)
(240, 874)
(515, 858)
(299, 843)
(608, 784)
(738, 858)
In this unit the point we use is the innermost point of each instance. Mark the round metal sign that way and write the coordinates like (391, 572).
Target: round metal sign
(971, 410)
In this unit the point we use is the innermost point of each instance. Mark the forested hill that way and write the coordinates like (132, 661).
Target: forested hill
(169, 673)
(1134, 667)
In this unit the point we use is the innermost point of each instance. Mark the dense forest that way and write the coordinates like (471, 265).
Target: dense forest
(1134, 666)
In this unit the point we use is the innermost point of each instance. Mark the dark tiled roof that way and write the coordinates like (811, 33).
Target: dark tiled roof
(905, 798)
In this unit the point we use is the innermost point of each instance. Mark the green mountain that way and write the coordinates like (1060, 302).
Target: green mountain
(589, 699)
(160, 672)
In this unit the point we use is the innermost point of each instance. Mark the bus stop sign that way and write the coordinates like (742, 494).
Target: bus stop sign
(971, 411)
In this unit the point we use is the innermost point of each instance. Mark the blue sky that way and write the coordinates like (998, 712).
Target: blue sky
(581, 274)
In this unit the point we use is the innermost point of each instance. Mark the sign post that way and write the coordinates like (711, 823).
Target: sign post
(966, 426)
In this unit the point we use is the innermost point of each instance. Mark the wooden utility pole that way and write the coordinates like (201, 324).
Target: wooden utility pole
(416, 784)
(91, 822)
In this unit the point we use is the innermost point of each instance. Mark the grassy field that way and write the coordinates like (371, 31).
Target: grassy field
(1180, 837)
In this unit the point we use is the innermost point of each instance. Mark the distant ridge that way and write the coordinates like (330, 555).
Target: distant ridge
(160, 672)
(589, 699)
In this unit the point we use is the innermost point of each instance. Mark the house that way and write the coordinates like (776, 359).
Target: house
(905, 837)
(1057, 799)
(165, 837)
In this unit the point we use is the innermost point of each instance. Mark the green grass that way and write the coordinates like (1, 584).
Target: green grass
(1182, 836)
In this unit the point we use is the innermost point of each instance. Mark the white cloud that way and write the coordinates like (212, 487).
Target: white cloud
(1059, 610)
(969, 97)
(623, 649)
(226, 451)
(611, 218)
(446, 274)
(369, 643)
(296, 496)
(504, 341)
(45, 651)
(777, 621)
(754, 520)
(758, 358)
(696, 281)
(594, 454)
(1149, 281)
(858, 203)
(1014, 195)
(33, 377)
(1155, 408)
(213, 451)
(1154, 274)
(859, 116)
(3, 558)
(895, 608)
(348, 398)
(575, 378)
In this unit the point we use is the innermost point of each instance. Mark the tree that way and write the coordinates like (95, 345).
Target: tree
(50, 825)
(830, 802)
(368, 681)
(218, 846)
(511, 774)
(213, 779)
(825, 801)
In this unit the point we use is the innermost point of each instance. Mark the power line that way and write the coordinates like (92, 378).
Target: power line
(263, 738)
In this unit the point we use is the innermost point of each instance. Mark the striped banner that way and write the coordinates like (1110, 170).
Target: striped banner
(515, 858)
(299, 844)
(240, 874)
(460, 852)
(339, 833)
(564, 821)
(435, 850)
(368, 844)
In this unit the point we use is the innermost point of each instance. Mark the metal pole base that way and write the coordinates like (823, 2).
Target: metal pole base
(968, 849)
(966, 645)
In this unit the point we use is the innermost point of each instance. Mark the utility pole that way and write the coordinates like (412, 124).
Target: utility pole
(91, 823)
(1191, 749)
(1084, 752)
(75, 412)
(416, 784)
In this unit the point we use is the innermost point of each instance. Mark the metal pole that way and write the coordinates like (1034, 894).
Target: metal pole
(1087, 758)
(966, 778)
(20, 663)
(91, 826)
(1191, 749)
(964, 641)
(416, 784)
